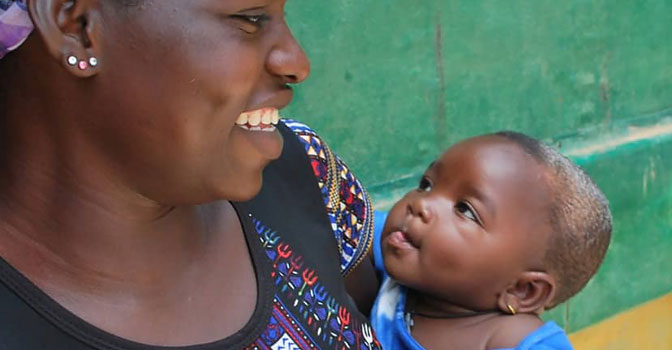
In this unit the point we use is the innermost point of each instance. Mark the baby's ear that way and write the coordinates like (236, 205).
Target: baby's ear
(531, 293)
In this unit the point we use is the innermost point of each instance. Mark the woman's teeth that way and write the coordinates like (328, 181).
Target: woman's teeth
(264, 119)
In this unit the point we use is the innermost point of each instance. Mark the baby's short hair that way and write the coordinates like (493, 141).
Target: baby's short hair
(580, 218)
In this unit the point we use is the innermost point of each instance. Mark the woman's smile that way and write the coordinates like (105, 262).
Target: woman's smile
(264, 119)
(258, 130)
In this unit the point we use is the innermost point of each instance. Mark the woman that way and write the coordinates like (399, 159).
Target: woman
(133, 210)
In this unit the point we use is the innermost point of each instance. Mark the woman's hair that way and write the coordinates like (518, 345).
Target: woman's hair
(580, 218)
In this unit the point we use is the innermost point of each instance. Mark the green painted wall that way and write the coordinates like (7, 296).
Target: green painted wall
(394, 82)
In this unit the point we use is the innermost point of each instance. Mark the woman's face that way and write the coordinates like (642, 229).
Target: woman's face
(175, 76)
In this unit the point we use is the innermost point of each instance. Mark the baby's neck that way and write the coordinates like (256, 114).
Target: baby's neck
(421, 303)
(437, 323)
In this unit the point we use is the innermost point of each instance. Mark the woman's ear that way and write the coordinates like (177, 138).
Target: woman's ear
(531, 293)
(70, 32)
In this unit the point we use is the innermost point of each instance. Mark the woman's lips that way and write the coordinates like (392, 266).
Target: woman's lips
(258, 127)
(401, 240)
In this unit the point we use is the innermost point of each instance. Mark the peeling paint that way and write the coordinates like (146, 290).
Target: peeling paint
(440, 116)
(605, 93)
(635, 134)
(585, 78)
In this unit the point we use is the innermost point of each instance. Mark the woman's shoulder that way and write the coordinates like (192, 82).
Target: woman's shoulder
(298, 127)
(345, 199)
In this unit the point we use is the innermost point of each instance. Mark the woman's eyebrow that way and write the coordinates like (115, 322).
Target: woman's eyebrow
(255, 8)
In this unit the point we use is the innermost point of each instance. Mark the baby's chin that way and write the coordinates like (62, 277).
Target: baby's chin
(399, 271)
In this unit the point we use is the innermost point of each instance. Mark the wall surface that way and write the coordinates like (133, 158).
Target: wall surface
(395, 82)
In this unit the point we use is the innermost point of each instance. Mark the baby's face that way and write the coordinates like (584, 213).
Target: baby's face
(477, 219)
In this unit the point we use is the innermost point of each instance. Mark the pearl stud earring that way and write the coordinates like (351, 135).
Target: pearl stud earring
(72, 60)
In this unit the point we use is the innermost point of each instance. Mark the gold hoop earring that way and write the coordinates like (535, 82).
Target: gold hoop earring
(512, 310)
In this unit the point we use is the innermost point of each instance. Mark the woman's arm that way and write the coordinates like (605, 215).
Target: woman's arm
(362, 284)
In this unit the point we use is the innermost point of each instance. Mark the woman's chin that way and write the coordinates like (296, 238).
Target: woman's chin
(242, 197)
(243, 191)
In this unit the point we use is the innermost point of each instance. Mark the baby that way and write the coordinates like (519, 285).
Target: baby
(500, 228)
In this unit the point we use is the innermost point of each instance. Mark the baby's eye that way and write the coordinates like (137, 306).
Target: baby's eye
(425, 184)
(465, 209)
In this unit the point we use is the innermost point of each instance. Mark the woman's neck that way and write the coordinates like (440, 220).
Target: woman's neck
(75, 218)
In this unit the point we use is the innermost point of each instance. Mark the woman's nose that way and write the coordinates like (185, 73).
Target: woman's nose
(419, 207)
(288, 60)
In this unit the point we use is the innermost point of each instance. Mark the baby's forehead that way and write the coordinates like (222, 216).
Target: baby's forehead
(494, 166)
(486, 152)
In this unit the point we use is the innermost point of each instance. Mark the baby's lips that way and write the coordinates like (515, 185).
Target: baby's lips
(400, 239)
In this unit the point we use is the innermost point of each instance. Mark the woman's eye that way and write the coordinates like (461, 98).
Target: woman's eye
(425, 185)
(251, 23)
(464, 209)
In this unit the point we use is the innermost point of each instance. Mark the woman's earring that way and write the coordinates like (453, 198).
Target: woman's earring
(512, 310)
(72, 60)
(82, 64)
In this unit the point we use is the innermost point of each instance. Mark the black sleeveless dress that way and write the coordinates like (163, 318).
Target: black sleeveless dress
(309, 226)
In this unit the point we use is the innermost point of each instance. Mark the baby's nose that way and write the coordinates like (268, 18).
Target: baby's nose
(420, 208)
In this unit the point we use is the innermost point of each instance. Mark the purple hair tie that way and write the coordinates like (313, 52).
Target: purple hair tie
(15, 25)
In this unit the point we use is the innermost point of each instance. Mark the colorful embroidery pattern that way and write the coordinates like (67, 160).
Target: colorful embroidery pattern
(282, 332)
(305, 315)
(348, 205)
